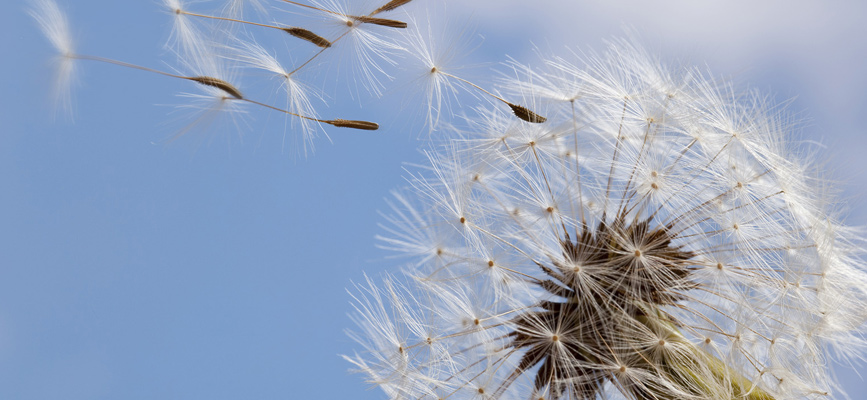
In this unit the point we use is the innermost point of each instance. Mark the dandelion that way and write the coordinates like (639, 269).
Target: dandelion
(658, 237)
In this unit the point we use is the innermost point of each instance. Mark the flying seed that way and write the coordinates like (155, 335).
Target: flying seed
(309, 36)
(525, 114)
(219, 84)
(382, 22)
(348, 123)
(391, 5)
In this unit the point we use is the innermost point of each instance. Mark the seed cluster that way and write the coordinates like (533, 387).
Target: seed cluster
(595, 311)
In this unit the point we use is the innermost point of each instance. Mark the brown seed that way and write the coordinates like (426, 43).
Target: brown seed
(348, 123)
(309, 36)
(382, 22)
(219, 84)
(391, 5)
(525, 114)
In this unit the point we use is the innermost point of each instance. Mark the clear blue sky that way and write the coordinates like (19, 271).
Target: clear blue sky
(212, 268)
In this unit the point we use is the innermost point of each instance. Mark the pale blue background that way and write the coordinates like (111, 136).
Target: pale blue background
(133, 270)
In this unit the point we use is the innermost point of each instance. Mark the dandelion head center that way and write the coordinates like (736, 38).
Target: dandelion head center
(636, 269)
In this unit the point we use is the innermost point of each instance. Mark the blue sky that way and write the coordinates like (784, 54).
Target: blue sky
(210, 267)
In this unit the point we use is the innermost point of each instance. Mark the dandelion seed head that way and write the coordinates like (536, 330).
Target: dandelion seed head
(657, 236)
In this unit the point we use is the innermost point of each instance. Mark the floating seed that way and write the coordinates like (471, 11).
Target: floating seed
(525, 114)
(348, 123)
(219, 84)
(383, 22)
(391, 5)
(309, 36)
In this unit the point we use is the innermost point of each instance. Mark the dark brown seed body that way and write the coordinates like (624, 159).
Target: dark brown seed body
(219, 84)
(391, 5)
(600, 307)
(309, 36)
(354, 124)
(525, 114)
(383, 22)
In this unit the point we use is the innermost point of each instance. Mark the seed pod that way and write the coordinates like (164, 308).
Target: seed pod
(391, 5)
(354, 124)
(309, 36)
(391, 23)
(525, 114)
(219, 84)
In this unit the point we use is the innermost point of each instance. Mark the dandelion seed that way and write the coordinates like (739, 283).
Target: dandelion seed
(309, 36)
(219, 84)
(354, 124)
(667, 244)
(381, 22)
(525, 114)
(391, 5)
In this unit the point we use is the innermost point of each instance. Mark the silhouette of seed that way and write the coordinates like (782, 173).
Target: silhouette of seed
(525, 114)
(219, 84)
(309, 36)
(383, 22)
(348, 123)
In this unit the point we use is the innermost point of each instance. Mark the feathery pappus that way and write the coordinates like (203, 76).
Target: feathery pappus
(660, 236)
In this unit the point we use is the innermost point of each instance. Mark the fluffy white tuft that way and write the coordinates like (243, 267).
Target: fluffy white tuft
(53, 24)
(657, 237)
